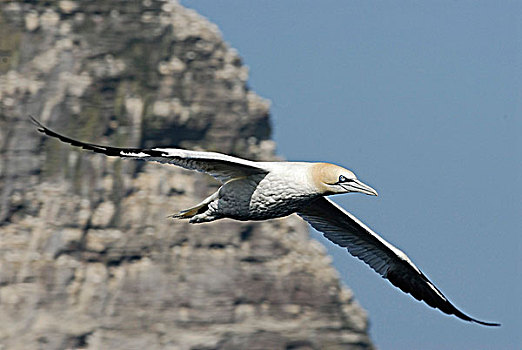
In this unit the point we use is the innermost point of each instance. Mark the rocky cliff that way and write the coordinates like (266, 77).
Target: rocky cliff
(88, 259)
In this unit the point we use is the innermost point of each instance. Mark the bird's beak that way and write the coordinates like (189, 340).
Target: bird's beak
(359, 186)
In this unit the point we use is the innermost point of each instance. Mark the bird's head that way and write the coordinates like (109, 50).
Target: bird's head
(333, 179)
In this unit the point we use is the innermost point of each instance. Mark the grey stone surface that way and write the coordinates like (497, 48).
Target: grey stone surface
(88, 259)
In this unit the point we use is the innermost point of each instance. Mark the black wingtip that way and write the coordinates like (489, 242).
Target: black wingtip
(489, 324)
(435, 300)
(36, 122)
(107, 150)
(465, 317)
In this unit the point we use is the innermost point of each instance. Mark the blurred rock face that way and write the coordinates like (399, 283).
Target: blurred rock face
(88, 259)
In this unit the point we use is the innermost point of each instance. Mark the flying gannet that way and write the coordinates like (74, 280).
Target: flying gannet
(266, 190)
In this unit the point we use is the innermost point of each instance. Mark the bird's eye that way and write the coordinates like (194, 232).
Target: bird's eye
(343, 178)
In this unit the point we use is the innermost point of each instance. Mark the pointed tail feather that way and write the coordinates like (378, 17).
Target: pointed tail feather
(189, 213)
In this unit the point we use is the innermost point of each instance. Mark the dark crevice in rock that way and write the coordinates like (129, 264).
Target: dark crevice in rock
(246, 234)
(77, 341)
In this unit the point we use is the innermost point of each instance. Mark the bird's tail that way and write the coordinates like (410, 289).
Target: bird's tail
(191, 212)
(197, 209)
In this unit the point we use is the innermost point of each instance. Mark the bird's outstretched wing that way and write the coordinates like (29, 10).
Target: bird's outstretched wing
(223, 167)
(344, 229)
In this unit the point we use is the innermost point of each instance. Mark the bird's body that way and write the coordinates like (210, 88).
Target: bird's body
(278, 189)
(265, 190)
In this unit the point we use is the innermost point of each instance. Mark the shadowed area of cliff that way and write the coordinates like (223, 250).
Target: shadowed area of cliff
(88, 258)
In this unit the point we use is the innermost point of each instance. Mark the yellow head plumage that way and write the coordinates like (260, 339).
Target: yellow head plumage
(332, 179)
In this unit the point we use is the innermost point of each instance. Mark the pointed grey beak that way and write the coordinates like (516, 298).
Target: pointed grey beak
(359, 186)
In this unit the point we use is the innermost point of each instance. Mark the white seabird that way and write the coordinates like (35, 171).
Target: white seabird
(265, 190)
